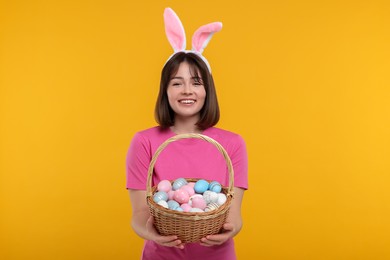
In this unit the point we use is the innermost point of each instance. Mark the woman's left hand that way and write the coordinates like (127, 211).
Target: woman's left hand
(228, 232)
(233, 223)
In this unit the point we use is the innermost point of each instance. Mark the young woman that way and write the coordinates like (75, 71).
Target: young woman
(187, 103)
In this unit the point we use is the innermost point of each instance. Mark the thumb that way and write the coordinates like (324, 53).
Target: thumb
(150, 222)
(228, 226)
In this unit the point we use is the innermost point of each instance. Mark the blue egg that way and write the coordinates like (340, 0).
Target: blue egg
(161, 195)
(178, 183)
(172, 204)
(215, 186)
(179, 209)
(201, 186)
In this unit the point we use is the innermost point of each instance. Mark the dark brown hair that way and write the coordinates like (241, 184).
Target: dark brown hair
(209, 114)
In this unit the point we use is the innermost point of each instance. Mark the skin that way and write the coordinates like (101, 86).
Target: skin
(184, 87)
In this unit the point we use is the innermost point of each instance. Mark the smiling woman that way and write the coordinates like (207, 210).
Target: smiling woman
(186, 103)
(186, 89)
(186, 96)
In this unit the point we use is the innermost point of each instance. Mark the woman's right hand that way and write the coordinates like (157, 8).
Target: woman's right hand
(143, 223)
(170, 241)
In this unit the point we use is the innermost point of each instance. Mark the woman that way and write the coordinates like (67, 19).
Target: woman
(187, 103)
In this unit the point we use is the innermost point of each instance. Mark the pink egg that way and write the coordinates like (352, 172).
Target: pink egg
(164, 185)
(199, 202)
(181, 196)
(192, 184)
(170, 194)
(190, 190)
(194, 196)
(186, 207)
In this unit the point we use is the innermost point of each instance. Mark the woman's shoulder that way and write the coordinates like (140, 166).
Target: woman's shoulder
(224, 136)
(155, 130)
(153, 134)
(221, 133)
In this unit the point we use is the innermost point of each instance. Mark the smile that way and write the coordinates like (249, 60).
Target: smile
(187, 101)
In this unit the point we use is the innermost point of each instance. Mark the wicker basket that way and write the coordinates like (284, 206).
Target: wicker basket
(189, 226)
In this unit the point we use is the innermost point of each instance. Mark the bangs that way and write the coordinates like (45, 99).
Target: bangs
(194, 69)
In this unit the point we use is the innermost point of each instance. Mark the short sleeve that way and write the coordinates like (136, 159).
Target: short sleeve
(239, 159)
(137, 163)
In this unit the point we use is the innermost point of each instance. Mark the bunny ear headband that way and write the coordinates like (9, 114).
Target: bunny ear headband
(177, 38)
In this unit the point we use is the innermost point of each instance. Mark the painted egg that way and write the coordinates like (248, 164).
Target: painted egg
(164, 185)
(181, 196)
(215, 186)
(161, 195)
(201, 186)
(192, 184)
(212, 206)
(192, 197)
(210, 196)
(163, 203)
(179, 209)
(196, 210)
(190, 190)
(186, 207)
(199, 202)
(170, 194)
(172, 204)
(178, 183)
(221, 198)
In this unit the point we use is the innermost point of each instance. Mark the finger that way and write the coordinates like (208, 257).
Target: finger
(206, 242)
(150, 226)
(150, 222)
(228, 227)
(220, 238)
(170, 241)
(214, 239)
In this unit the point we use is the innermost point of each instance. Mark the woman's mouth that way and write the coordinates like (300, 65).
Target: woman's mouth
(187, 101)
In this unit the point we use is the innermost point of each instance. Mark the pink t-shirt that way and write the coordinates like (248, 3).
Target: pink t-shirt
(186, 158)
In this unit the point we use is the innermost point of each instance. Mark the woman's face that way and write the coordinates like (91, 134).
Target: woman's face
(186, 93)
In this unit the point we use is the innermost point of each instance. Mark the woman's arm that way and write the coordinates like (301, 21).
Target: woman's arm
(142, 221)
(233, 223)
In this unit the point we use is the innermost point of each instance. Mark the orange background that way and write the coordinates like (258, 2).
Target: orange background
(306, 83)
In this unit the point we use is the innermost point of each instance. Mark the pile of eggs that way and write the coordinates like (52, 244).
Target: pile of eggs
(200, 196)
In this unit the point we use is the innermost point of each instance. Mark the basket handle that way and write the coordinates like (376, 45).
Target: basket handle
(186, 136)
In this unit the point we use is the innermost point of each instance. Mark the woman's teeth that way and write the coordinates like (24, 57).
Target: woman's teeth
(187, 101)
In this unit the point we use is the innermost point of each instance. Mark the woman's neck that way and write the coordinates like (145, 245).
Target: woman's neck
(185, 126)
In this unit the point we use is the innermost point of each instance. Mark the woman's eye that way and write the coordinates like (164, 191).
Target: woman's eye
(175, 84)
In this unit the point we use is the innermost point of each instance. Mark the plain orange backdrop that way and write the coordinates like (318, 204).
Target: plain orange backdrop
(306, 83)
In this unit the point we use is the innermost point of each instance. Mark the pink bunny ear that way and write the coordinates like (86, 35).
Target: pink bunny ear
(174, 30)
(203, 35)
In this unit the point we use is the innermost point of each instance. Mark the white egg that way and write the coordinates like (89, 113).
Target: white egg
(221, 198)
(210, 196)
(211, 206)
(196, 210)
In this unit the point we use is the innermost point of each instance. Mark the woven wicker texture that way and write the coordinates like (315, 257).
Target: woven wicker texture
(189, 226)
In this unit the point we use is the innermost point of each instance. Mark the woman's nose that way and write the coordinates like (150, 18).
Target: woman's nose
(187, 89)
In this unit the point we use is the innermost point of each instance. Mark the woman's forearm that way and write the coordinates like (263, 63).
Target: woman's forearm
(139, 224)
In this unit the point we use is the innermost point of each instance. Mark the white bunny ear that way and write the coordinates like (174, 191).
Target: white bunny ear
(203, 35)
(174, 30)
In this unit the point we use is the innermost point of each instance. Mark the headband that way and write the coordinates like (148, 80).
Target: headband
(177, 37)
